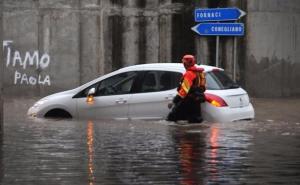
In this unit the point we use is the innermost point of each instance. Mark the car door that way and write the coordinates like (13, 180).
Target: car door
(156, 90)
(110, 99)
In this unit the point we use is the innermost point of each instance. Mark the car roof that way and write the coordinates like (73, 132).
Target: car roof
(164, 66)
(150, 66)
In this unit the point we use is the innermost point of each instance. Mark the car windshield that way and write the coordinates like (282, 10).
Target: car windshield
(218, 80)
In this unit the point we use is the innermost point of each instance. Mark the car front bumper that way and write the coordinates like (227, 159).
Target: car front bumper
(32, 112)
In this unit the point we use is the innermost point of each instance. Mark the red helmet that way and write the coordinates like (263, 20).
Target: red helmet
(188, 60)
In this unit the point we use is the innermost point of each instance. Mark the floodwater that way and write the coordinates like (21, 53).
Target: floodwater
(39, 151)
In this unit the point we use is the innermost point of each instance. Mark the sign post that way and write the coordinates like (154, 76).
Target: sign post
(217, 50)
(234, 58)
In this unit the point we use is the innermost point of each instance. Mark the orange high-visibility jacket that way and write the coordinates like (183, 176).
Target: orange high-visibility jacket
(192, 75)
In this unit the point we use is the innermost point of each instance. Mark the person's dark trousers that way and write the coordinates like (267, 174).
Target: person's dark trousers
(178, 112)
(193, 108)
(187, 109)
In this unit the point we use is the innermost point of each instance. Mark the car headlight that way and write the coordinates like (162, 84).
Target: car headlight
(32, 111)
(39, 103)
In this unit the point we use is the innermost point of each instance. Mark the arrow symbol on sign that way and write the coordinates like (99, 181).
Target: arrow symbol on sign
(242, 13)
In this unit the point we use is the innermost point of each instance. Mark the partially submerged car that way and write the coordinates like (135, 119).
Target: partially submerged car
(144, 92)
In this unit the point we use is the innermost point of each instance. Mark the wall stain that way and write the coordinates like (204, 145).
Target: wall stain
(117, 2)
(276, 77)
(116, 23)
(142, 39)
(183, 41)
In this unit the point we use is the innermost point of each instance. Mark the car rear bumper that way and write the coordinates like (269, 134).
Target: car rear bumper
(227, 114)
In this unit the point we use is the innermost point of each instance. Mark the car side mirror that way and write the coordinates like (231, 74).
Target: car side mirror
(90, 96)
(92, 91)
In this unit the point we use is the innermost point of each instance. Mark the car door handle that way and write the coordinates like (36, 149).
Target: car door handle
(121, 101)
(169, 97)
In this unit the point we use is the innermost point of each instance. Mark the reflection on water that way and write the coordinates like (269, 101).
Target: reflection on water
(90, 145)
(140, 152)
(191, 148)
(213, 154)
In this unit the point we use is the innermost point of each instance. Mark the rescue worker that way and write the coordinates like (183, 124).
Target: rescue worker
(190, 93)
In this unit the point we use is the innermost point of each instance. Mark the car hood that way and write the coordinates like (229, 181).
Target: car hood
(68, 92)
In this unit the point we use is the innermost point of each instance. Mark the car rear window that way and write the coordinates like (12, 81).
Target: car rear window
(218, 80)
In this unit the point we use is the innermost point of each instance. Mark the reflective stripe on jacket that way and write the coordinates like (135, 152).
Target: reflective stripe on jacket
(193, 77)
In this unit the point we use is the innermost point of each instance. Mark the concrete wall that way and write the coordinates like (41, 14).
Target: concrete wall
(1, 90)
(59, 44)
(272, 63)
(1, 101)
(56, 45)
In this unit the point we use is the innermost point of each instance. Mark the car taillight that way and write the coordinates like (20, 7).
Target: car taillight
(215, 100)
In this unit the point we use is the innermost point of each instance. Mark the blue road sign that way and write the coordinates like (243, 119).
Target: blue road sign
(219, 29)
(218, 14)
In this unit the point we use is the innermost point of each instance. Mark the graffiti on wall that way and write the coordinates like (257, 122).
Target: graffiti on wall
(23, 61)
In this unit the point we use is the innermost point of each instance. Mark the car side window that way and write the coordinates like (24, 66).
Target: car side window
(155, 81)
(150, 82)
(169, 80)
(117, 84)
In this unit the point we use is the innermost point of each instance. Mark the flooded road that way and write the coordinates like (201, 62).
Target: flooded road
(263, 151)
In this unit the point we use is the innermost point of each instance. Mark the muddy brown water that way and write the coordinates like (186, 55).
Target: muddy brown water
(262, 151)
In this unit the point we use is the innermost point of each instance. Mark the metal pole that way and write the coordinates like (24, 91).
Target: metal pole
(217, 50)
(234, 58)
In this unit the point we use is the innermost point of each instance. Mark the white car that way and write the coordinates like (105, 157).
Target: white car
(144, 92)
